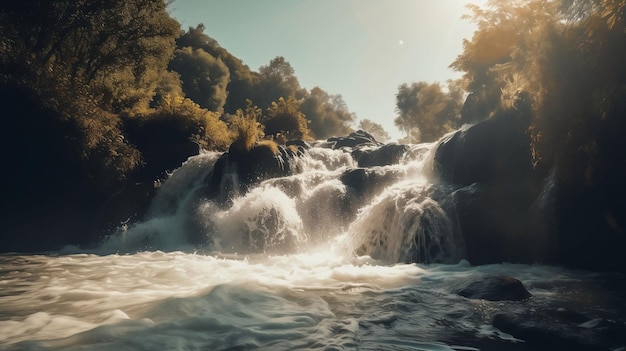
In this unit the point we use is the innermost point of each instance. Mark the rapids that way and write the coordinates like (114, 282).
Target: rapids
(285, 267)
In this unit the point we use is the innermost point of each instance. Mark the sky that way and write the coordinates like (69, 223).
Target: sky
(360, 49)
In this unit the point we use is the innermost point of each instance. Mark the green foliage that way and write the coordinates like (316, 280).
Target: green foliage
(328, 114)
(247, 128)
(87, 61)
(188, 120)
(426, 111)
(285, 119)
(243, 81)
(567, 58)
(276, 80)
(374, 129)
(204, 77)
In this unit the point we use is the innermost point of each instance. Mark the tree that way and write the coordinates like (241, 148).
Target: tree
(242, 82)
(426, 112)
(375, 129)
(276, 80)
(203, 76)
(566, 57)
(328, 114)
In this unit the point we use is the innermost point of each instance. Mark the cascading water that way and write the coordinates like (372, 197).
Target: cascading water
(310, 261)
(396, 222)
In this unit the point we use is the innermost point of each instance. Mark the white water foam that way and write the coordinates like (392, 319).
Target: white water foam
(321, 300)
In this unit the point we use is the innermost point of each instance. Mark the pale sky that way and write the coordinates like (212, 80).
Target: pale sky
(360, 49)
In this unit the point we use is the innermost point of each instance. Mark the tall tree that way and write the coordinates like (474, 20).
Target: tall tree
(277, 79)
(328, 114)
(426, 112)
(203, 76)
(242, 80)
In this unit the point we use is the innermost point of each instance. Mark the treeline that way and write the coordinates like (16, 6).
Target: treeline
(118, 81)
(102, 94)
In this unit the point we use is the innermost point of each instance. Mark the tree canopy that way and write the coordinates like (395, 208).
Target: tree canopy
(426, 112)
(565, 57)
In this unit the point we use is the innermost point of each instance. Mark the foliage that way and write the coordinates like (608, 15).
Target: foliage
(375, 129)
(277, 79)
(204, 77)
(86, 62)
(285, 119)
(567, 58)
(328, 114)
(426, 111)
(243, 81)
(247, 128)
(190, 121)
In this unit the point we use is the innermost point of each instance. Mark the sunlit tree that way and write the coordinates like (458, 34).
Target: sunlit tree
(284, 118)
(566, 57)
(375, 129)
(328, 114)
(426, 112)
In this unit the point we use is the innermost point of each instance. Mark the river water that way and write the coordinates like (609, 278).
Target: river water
(321, 281)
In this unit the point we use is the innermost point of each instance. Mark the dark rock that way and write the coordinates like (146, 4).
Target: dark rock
(357, 139)
(489, 168)
(364, 182)
(494, 288)
(491, 151)
(385, 155)
(544, 330)
(301, 144)
(239, 169)
(126, 206)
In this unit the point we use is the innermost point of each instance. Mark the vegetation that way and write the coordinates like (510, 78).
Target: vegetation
(565, 58)
(426, 111)
(374, 129)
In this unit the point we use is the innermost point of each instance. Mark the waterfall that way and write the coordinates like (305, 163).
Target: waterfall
(385, 212)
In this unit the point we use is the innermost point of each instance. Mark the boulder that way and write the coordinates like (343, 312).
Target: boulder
(494, 288)
(386, 155)
(490, 187)
(493, 151)
(357, 139)
(239, 169)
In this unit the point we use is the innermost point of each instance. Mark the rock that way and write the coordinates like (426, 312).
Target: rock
(357, 139)
(494, 288)
(489, 168)
(239, 169)
(544, 330)
(493, 151)
(126, 206)
(364, 182)
(385, 155)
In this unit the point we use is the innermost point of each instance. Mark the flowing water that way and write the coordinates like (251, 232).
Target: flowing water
(296, 263)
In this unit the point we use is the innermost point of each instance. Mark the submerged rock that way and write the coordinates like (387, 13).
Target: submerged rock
(494, 288)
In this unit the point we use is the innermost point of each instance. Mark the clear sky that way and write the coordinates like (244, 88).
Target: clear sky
(360, 49)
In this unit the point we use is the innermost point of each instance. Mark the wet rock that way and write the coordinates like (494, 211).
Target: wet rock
(546, 330)
(240, 168)
(494, 288)
(357, 139)
(388, 154)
